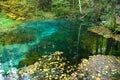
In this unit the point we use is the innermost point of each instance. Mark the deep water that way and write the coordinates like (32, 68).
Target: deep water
(33, 39)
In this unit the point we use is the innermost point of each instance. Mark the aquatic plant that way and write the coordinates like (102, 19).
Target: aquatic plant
(14, 37)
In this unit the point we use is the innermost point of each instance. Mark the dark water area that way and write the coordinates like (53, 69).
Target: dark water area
(33, 39)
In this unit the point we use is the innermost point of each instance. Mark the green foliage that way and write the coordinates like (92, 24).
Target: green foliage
(118, 10)
(61, 7)
(101, 10)
(45, 5)
(116, 75)
(7, 24)
(18, 10)
(2, 13)
(42, 15)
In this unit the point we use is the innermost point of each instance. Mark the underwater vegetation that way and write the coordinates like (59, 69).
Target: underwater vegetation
(16, 38)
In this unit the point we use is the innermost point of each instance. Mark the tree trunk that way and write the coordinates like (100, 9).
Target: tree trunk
(113, 16)
(80, 6)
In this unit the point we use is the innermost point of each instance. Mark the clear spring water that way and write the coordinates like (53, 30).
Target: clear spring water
(46, 37)
(12, 54)
(15, 52)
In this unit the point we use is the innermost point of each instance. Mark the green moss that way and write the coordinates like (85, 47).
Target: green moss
(7, 24)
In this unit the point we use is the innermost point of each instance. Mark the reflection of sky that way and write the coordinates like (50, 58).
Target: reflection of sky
(15, 52)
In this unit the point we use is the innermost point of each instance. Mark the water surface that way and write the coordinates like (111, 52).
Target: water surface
(32, 39)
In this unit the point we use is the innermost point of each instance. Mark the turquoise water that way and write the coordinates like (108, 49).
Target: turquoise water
(33, 39)
(15, 51)
(63, 39)
(42, 32)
